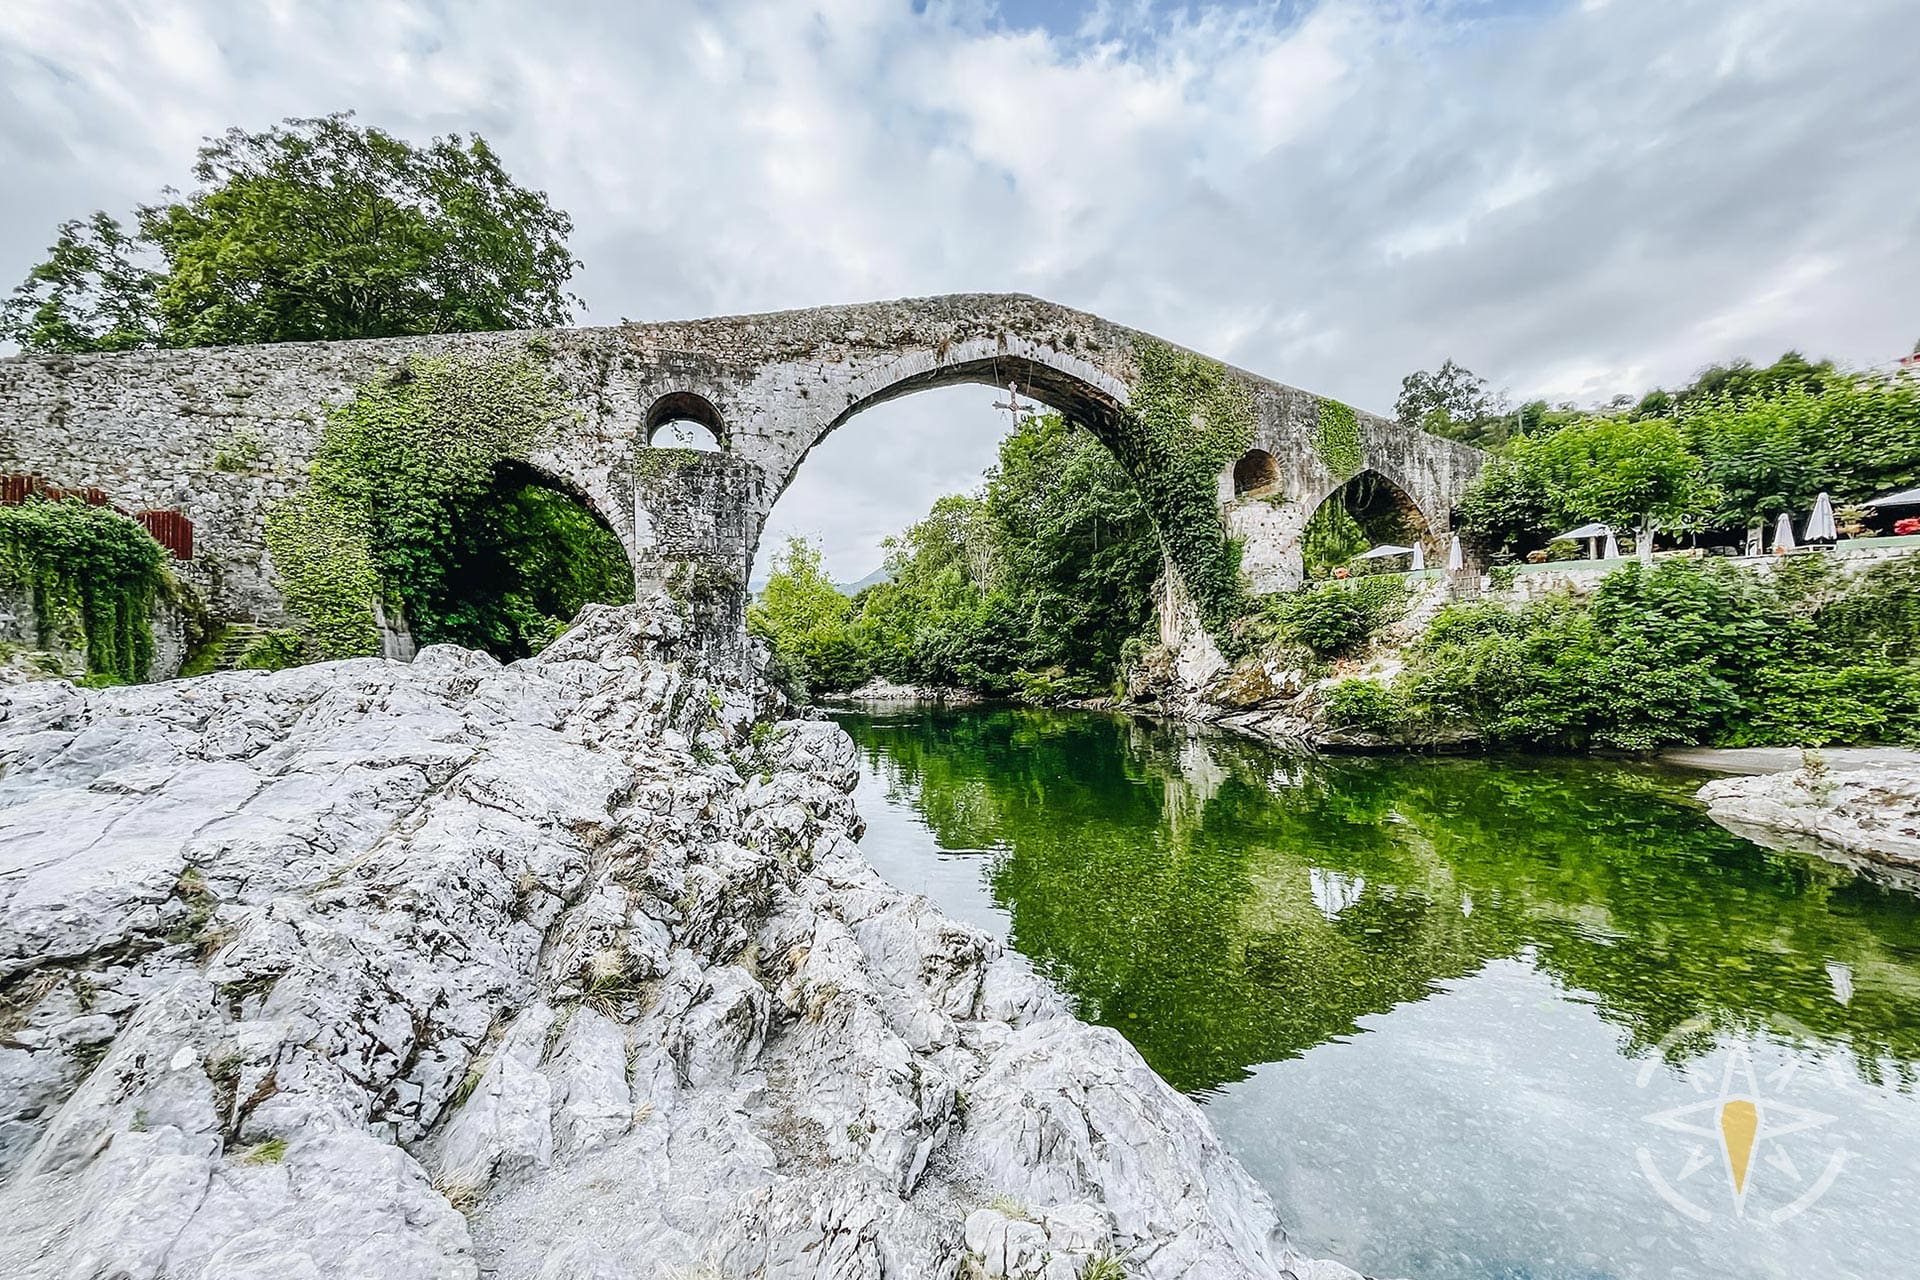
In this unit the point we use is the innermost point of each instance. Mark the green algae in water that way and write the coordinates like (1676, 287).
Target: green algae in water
(1418, 995)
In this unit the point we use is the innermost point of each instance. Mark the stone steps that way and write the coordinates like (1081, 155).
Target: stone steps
(239, 638)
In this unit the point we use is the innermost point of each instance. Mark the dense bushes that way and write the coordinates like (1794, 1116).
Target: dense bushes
(1683, 653)
(1362, 704)
(1337, 618)
(89, 570)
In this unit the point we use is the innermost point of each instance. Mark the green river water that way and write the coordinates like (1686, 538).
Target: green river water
(1463, 1018)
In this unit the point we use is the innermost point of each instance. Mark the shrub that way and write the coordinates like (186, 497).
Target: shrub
(1682, 653)
(1363, 704)
(90, 571)
(1339, 617)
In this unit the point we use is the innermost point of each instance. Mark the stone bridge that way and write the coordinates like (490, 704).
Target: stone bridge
(222, 433)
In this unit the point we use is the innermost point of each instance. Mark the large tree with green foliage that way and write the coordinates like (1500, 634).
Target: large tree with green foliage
(1451, 401)
(1770, 452)
(804, 620)
(1615, 470)
(312, 229)
(1077, 550)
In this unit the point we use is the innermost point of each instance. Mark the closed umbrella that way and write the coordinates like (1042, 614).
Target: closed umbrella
(1820, 526)
(1644, 545)
(1612, 551)
(1456, 560)
(1419, 558)
(1783, 533)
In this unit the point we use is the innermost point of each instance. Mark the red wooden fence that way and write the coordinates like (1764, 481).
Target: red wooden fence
(170, 529)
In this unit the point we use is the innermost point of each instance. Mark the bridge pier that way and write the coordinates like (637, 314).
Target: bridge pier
(692, 528)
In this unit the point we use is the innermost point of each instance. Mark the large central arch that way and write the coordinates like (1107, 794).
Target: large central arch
(1075, 389)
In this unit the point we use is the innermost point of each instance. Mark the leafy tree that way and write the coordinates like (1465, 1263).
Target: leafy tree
(804, 618)
(1618, 470)
(1034, 585)
(312, 229)
(91, 294)
(1614, 470)
(1739, 379)
(1451, 401)
(1772, 452)
(1076, 548)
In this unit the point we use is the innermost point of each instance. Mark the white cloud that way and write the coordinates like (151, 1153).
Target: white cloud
(1571, 200)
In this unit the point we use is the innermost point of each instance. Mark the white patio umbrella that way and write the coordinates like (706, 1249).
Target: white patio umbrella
(1783, 533)
(1419, 558)
(1456, 559)
(1643, 545)
(1382, 552)
(1587, 533)
(1820, 526)
(1612, 551)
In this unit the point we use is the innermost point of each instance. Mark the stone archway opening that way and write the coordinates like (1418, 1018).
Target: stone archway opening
(954, 597)
(1370, 510)
(1256, 474)
(522, 558)
(1078, 400)
(684, 420)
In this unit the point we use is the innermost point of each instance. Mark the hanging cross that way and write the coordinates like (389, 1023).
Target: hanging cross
(1015, 406)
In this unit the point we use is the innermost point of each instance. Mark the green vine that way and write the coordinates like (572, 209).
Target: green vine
(90, 571)
(1188, 420)
(1336, 439)
(396, 466)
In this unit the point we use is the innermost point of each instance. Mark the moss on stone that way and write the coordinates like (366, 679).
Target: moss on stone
(93, 575)
(1187, 420)
(1336, 438)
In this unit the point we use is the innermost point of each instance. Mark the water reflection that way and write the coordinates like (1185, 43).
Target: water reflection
(1418, 995)
(1169, 886)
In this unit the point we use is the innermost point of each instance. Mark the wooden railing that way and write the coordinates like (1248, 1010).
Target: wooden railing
(171, 529)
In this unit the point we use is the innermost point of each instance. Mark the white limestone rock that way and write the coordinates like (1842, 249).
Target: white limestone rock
(553, 969)
(1865, 813)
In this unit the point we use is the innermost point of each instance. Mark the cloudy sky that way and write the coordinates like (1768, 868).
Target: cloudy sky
(1573, 199)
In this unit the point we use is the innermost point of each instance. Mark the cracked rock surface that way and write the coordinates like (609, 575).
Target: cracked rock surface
(562, 969)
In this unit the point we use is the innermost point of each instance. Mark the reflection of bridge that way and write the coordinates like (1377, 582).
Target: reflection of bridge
(149, 427)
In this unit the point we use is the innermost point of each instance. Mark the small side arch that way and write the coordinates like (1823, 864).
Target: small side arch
(1256, 474)
(685, 420)
(1369, 509)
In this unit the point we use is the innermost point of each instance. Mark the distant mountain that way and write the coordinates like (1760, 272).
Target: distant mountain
(873, 579)
(757, 585)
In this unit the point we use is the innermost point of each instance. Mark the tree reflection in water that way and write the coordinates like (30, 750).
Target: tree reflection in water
(1226, 905)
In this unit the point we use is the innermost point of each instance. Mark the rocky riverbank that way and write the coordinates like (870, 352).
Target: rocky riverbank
(565, 969)
(880, 690)
(1870, 814)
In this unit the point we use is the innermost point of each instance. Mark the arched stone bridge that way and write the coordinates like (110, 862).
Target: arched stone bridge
(223, 433)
